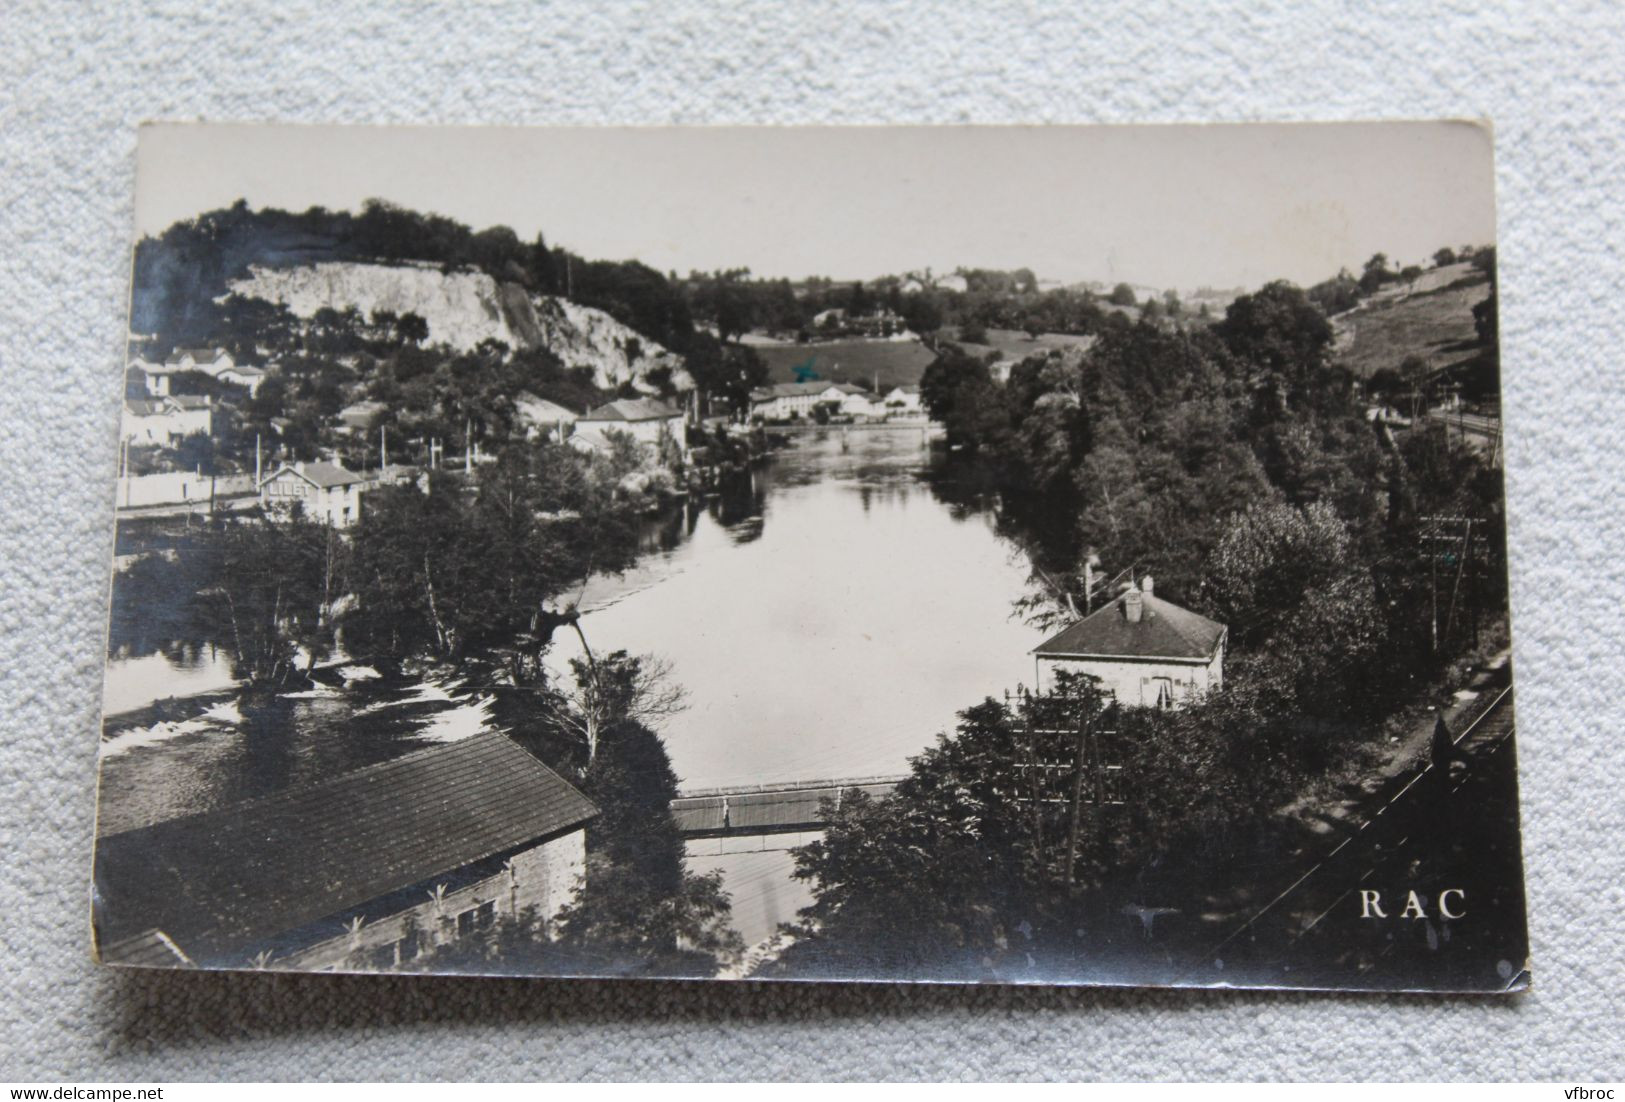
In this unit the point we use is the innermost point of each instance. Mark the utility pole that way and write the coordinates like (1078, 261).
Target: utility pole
(1079, 767)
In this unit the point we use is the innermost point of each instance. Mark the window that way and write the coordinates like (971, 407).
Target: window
(476, 918)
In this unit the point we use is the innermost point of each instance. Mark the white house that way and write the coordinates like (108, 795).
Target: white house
(210, 361)
(857, 402)
(1146, 651)
(904, 401)
(243, 375)
(542, 418)
(366, 871)
(782, 401)
(164, 420)
(324, 492)
(644, 419)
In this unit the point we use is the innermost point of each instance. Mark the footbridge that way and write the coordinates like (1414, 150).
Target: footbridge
(760, 811)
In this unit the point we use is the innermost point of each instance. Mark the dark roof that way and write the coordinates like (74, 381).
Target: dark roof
(1164, 630)
(320, 473)
(633, 409)
(238, 875)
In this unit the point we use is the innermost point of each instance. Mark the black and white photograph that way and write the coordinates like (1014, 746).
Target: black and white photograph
(1024, 555)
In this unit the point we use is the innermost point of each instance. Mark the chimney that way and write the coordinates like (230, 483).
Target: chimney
(1133, 606)
(1145, 585)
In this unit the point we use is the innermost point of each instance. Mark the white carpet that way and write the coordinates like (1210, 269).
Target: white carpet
(75, 85)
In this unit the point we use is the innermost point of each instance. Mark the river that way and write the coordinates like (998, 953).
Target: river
(827, 622)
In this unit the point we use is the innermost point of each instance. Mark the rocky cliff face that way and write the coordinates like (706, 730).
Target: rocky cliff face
(464, 308)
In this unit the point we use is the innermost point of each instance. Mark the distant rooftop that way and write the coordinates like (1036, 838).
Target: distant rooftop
(633, 409)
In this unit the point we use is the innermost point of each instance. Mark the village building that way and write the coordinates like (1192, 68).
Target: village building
(541, 419)
(244, 375)
(359, 416)
(646, 420)
(164, 420)
(788, 401)
(1147, 652)
(368, 870)
(323, 492)
(210, 361)
(904, 401)
(861, 404)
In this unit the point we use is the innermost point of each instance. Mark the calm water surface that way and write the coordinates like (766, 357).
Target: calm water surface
(827, 622)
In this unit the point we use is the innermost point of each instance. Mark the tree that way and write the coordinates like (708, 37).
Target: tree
(615, 687)
(412, 328)
(639, 910)
(923, 314)
(1278, 331)
(1444, 257)
(1122, 295)
(1375, 273)
(275, 586)
(937, 878)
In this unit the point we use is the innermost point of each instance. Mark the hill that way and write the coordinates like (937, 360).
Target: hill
(1430, 317)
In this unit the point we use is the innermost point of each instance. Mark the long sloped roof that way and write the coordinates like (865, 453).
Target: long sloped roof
(228, 878)
(633, 409)
(1164, 630)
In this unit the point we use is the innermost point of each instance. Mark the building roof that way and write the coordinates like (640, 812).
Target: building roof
(321, 473)
(223, 880)
(197, 355)
(797, 390)
(1164, 630)
(633, 409)
(243, 369)
(539, 409)
(154, 407)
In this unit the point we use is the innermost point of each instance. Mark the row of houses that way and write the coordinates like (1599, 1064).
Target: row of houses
(797, 401)
(157, 378)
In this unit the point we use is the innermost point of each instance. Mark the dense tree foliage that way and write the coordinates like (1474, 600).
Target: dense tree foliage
(1235, 463)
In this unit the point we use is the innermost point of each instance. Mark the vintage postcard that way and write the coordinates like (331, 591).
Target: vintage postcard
(1024, 555)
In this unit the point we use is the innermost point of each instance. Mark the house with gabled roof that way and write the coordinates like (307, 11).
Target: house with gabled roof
(325, 492)
(542, 418)
(166, 419)
(364, 871)
(646, 420)
(1146, 651)
(211, 361)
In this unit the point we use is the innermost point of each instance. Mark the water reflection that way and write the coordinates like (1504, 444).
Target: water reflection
(833, 625)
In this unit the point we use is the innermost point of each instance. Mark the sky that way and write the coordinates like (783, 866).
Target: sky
(1162, 206)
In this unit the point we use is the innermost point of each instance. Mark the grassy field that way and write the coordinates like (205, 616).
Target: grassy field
(1433, 321)
(1017, 346)
(897, 363)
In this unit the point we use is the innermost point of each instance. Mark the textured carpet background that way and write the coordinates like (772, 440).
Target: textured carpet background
(74, 82)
